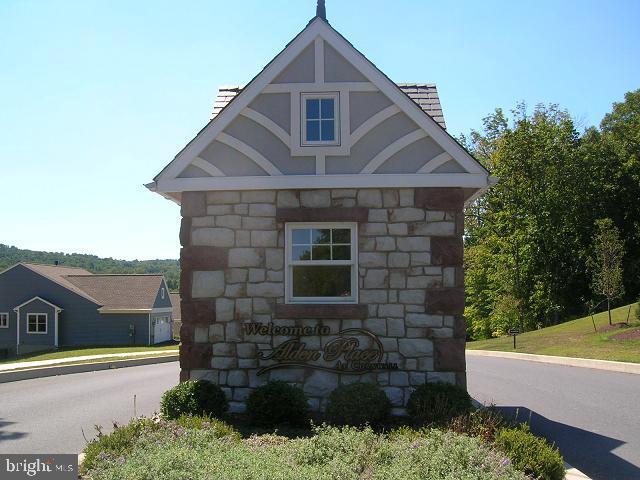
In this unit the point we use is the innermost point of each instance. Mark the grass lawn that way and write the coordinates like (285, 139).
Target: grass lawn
(576, 339)
(78, 352)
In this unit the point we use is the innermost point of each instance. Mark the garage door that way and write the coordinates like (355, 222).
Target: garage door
(161, 330)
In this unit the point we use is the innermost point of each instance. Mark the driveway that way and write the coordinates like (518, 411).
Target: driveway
(592, 415)
(55, 414)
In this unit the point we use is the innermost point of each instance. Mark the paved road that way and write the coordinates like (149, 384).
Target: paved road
(49, 415)
(592, 415)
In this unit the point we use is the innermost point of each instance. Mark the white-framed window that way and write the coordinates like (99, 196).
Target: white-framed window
(320, 118)
(4, 320)
(162, 293)
(321, 262)
(37, 323)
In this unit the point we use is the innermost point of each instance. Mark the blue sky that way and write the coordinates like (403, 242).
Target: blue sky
(97, 96)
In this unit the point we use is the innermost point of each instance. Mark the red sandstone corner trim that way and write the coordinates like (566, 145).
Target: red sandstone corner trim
(447, 301)
(198, 312)
(195, 356)
(448, 355)
(321, 311)
(203, 258)
(346, 214)
(440, 198)
(446, 251)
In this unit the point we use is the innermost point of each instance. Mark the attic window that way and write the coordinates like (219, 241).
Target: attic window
(320, 119)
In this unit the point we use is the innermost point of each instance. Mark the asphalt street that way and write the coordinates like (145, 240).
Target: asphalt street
(592, 415)
(54, 414)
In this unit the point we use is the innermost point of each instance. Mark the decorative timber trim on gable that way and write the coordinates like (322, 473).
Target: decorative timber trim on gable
(436, 158)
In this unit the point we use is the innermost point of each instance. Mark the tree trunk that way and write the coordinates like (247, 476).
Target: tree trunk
(609, 309)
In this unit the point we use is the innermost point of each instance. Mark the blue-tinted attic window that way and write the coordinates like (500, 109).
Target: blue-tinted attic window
(320, 120)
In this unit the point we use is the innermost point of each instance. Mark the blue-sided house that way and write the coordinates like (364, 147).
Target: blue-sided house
(44, 307)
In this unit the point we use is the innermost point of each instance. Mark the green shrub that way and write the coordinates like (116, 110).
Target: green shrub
(483, 423)
(358, 404)
(346, 453)
(276, 403)
(438, 402)
(123, 439)
(532, 455)
(198, 397)
(117, 443)
(220, 428)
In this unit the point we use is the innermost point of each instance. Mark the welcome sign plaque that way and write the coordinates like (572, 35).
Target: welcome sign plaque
(353, 350)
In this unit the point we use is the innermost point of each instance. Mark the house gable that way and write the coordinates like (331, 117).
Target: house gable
(385, 138)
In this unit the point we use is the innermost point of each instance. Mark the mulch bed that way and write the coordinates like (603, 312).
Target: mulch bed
(630, 335)
(615, 326)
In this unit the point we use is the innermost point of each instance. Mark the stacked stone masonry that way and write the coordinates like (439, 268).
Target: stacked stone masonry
(410, 280)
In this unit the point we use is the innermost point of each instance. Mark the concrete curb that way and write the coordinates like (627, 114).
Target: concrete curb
(14, 376)
(573, 473)
(623, 367)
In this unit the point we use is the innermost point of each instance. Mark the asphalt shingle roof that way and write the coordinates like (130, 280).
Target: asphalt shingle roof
(111, 292)
(425, 95)
(120, 292)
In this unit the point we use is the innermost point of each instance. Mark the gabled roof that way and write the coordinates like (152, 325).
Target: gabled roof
(39, 299)
(170, 184)
(58, 274)
(120, 292)
(424, 94)
(133, 292)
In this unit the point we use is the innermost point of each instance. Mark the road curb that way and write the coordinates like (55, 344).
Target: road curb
(14, 376)
(622, 367)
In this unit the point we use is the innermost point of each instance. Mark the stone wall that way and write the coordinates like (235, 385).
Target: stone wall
(410, 275)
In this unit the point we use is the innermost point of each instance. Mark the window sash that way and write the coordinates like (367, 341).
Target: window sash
(4, 320)
(320, 119)
(35, 321)
(290, 263)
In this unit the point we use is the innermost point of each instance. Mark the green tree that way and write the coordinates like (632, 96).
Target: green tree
(606, 262)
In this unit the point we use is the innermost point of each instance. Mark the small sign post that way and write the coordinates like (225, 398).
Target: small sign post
(514, 332)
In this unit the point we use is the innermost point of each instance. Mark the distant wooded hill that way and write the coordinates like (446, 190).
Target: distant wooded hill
(169, 268)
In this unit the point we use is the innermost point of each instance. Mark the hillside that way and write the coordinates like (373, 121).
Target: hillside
(577, 338)
(169, 268)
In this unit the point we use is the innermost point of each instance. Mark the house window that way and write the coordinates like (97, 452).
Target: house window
(162, 293)
(320, 119)
(4, 320)
(37, 323)
(321, 263)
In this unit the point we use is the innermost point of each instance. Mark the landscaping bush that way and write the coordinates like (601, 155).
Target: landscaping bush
(198, 397)
(346, 453)
(276, 403)
(358, 404)
(438, 402)
(117, 443)
(483, 423)
(120, 442)
(532, 455)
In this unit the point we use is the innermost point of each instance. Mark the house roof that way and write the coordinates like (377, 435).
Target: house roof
(40, 299)
(58, 274)
(132, 292)
(425, 95)
(120, 292)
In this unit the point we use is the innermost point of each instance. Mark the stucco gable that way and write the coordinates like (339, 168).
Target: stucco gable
(255, 130)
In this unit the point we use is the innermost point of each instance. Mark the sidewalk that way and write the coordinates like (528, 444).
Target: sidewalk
(622, 367)
(84, 358)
